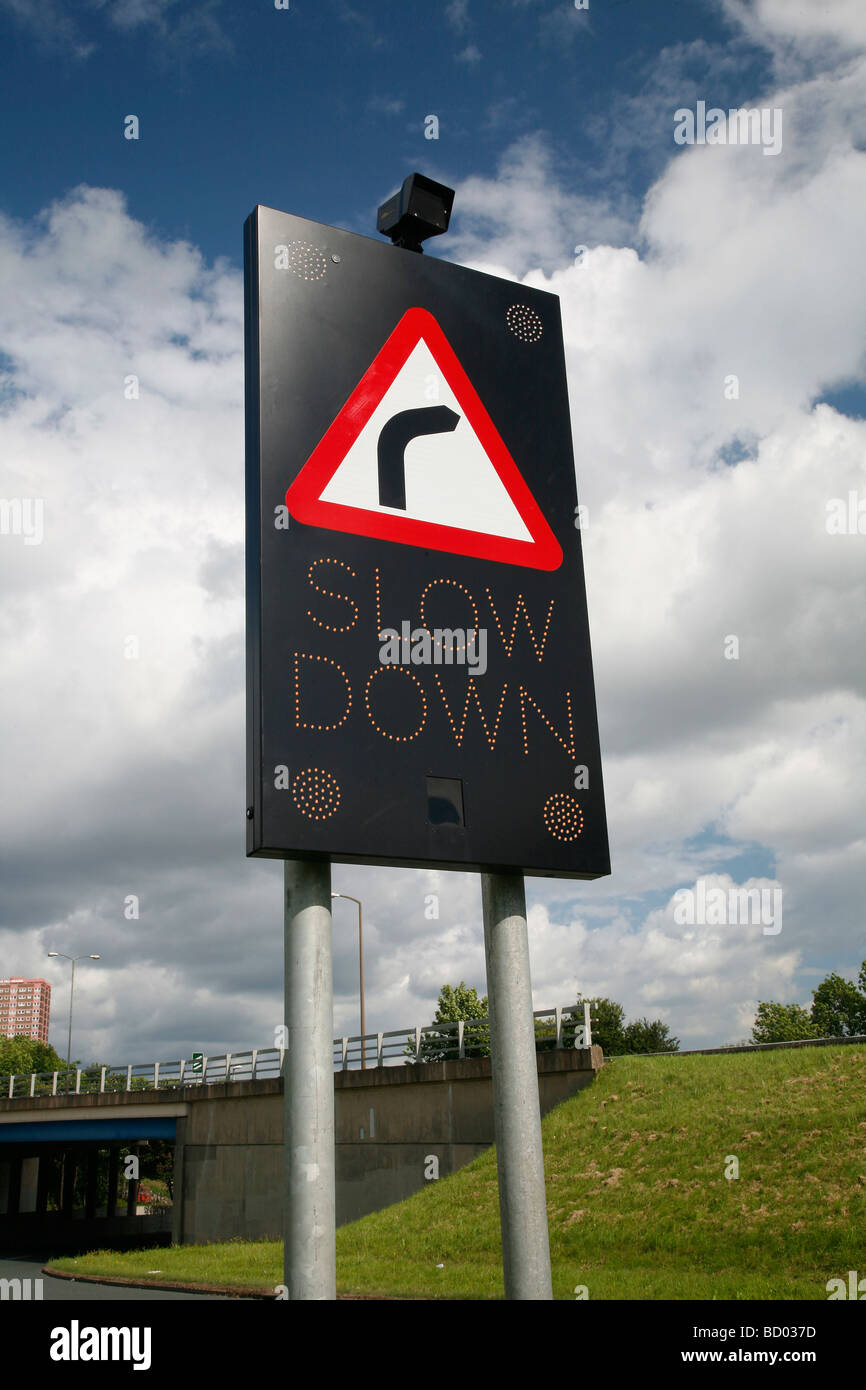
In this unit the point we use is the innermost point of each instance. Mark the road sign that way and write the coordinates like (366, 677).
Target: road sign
(420, 684)
(197, 1058)
(466, 498)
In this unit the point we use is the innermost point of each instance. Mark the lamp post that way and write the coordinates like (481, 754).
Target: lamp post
(71, 988)
(361, 954)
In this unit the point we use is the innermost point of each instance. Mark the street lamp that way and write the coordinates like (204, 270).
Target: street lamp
(71, 988)
(361, 954)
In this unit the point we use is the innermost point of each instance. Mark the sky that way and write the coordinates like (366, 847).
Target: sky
(714, 308)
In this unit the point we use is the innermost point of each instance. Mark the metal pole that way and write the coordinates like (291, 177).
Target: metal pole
(349, 898)
(361, 954)
(308, 1079)
(517, 1115)
(69, 1042)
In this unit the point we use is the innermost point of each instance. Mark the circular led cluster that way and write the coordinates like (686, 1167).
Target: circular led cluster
(329, 593)
(402, 671)
(306, 261)
(316, 793)
(524, 323)
(563, 816)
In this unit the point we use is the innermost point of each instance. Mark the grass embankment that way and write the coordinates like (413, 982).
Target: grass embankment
(638, 1203)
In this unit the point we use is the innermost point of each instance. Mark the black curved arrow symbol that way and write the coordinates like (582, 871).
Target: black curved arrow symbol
(396, 434)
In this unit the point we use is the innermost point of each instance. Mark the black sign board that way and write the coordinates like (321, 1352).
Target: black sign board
(420, 685)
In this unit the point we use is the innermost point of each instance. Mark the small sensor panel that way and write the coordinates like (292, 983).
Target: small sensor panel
(445, 801)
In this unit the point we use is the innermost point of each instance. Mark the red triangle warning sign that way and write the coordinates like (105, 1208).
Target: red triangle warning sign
(414, 457)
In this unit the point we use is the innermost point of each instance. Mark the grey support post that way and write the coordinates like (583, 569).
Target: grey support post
(517, 1115)
(308, 1078)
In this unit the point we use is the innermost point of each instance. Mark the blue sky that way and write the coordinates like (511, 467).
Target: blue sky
(321, 107)
(702, 266)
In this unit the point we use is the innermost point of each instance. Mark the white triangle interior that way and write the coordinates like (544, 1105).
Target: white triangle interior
(450, 481)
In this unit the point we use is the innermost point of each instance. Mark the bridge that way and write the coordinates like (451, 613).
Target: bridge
(411, 1106)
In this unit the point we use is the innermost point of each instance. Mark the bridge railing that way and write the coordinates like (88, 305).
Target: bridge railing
(567, 1027)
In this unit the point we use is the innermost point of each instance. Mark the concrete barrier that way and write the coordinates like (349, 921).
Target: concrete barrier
(390, 1123)
(397, 1128)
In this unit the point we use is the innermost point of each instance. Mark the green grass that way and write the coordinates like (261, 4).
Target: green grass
(233, 1263)
(638, 1203)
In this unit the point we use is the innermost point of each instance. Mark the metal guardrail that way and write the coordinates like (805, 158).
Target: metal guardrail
(567, 1027)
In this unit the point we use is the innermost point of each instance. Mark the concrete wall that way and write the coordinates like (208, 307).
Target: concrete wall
(228, 1163)
(390, 1122)
(29, 1181)
(55, 1235)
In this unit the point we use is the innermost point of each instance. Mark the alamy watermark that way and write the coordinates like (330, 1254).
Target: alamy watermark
(22, 516)
(77, 1343)
(742, 125)
(21, 1290)
(856, 1288)
(846, 517)
(720, 907)
(439, 646)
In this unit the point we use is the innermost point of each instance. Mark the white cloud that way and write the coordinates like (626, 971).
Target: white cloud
(523, 217)
(50, 25)
(185, 29)
(130, 13)
(686, 975)
(752, 271)
(457, 14)
(563, 25)
(128, 775)
(387, 106)
(828, 29)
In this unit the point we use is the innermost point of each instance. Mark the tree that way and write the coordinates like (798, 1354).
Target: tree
(460, 1002)
(838, 1007)
(609, 1028)
(157, 1162)
(782, 1023)
(21, 1055)
(641, 1035)
(456, 1003)
(838, 1010)
(608, 1025)
(618, 1038)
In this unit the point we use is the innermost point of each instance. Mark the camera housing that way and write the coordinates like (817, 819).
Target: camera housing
(421, 209)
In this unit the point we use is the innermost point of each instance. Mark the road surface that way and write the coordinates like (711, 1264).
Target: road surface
(72, 1291)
